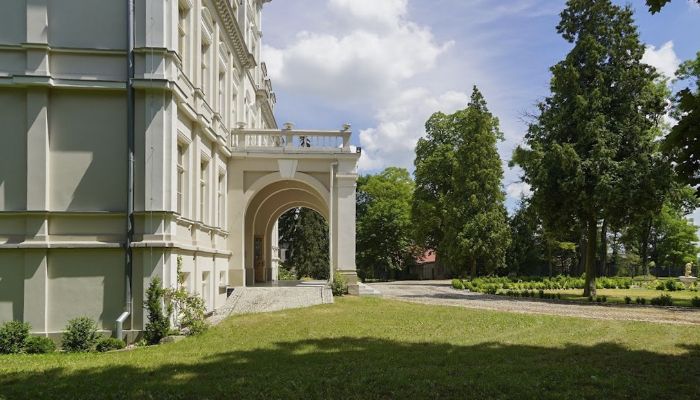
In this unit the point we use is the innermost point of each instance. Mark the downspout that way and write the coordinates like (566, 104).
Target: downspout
(130, 139)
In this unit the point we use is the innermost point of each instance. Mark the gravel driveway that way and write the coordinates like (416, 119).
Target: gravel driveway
(442, 293)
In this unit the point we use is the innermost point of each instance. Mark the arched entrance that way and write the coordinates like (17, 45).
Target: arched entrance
(262, 188)
(262, 214)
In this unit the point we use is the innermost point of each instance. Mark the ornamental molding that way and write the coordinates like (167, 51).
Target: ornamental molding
(223, 8)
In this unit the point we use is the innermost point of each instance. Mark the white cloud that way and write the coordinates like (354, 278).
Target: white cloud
(518, 190)
(401, 124)
(367, 63)
(358, 66)
(664, 59)
(386, 12)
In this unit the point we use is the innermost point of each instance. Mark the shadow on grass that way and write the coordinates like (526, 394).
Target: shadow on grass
(373, 368)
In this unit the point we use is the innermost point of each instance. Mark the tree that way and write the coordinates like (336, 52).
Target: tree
(676, 240)
(526, 251)
(459, 203)
(656, 5)
(305, 233)
(591, 149)
(683, 142)
(384, 230)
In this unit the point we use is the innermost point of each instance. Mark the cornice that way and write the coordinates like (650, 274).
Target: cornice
(225, 11)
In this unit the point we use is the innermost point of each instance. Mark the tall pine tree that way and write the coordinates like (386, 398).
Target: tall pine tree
(591, 150)
(459, 202)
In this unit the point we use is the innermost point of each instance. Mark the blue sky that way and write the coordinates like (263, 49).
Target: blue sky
(386, 65)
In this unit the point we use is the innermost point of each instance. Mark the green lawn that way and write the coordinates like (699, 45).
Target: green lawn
(680, 297)
(370, 348)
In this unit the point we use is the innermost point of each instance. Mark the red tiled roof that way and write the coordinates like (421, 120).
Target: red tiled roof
(427, 257)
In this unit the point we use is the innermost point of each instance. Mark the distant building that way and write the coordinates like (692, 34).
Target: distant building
(212, 171)
(426, 267)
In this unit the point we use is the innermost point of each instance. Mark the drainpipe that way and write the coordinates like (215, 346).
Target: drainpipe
(130, 128)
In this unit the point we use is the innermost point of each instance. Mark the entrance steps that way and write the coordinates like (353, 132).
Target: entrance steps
(366, 290)
(246, 300)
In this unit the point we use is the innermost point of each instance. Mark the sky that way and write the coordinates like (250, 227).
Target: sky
(386, 65)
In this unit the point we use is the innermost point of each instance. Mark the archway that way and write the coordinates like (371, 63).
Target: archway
(264, 207)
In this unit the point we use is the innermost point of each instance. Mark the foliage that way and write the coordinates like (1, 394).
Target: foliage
(384, 229)
(80, 335)
(188, 309)
(695, 301)
(305, 234)
(39, 345)
(339, 286)
(663, 300)
(458, 207)
(457, 284)
(109, 344)
(591, 154)
(13, 337)
(676, 238)
(683, 142)
(656, 5)
(285, 273)
(158, 318)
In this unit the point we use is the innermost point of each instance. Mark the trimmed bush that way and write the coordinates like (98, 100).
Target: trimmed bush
(695, 301)
(13, 337)
(40, 345)
(109, 344)
(457, 284)
(663, 300)
(80, 335)
(628, 300)
(641, 300)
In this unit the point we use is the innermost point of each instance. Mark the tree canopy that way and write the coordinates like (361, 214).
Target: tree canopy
(384, 230)
(305, 234)
(458, 208)
(591, 150)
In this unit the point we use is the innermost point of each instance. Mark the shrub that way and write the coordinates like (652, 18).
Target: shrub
(40, 345)
(457, 284)
(110, 343)
(663, 300)
(13, 337)
(80, 335)
(628, 300)
(641, 300)
(695, 301)
(604, 299)
(189, 309)
(590, 299)
(670, 285)
(158, 320)
(340, 287)
(540, 293)
(599, 299)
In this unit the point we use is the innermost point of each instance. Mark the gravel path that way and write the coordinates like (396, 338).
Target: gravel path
(442, 293)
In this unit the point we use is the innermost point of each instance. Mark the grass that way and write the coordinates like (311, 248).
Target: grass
(680, 297)
(362, 348)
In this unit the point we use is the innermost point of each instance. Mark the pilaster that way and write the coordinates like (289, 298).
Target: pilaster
(36, 288)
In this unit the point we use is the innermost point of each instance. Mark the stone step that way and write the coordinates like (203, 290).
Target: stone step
(366, 290)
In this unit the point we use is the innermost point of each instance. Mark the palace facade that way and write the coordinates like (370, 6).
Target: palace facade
(84, 226)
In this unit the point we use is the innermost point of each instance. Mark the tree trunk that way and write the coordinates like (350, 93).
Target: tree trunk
(549, 258)
(645, 247)
(604, 248)
(590, 270)
(473, 272)
(614, 254)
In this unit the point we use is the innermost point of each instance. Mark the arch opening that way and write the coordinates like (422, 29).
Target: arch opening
(261, 234)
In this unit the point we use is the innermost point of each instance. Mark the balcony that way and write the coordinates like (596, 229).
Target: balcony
(289, 140)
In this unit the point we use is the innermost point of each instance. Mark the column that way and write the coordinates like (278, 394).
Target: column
(344, 232)
(236, 225)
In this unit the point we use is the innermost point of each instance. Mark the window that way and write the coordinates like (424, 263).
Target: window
(205, 70)
(222, 93)
(181, 178)
(221, 199)
(203, 192)
(182, 37)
